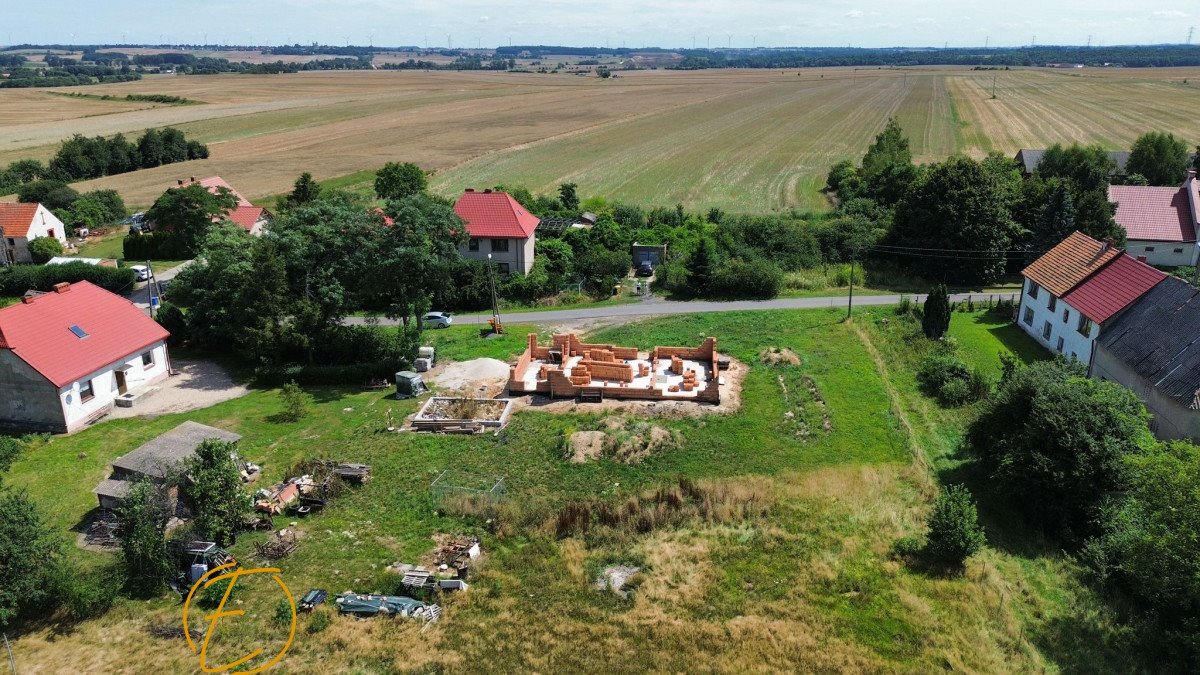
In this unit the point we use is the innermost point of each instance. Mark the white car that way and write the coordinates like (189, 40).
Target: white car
(436, 320)
(140, 272)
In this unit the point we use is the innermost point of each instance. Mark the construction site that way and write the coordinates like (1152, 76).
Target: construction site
(569, 368)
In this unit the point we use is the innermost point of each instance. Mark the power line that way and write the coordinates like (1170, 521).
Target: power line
(959, 250)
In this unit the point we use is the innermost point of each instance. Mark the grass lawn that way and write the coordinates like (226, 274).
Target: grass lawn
(6, 301)
(787, 568)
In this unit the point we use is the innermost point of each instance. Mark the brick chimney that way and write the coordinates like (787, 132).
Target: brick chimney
(27, 299)
(180, 182)
(469, 190)
(1141, 258)
(62, 287)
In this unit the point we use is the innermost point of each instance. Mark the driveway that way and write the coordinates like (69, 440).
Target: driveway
(139, 295)
(657, 307)
(196, 384)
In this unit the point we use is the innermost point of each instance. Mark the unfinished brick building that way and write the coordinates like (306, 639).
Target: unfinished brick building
(568, 368)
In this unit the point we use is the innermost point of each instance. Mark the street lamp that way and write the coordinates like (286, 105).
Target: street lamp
(495, 305)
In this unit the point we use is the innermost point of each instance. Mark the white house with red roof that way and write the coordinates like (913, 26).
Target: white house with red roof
(1161, 223)
(500, 227)
(254, 219)
(66, 356)
(21, 224)
(1075, 290)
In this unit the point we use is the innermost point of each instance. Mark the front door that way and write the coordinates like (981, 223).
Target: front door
(121, 386)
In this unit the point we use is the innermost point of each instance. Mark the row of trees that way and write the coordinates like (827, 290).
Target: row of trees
(968, 222)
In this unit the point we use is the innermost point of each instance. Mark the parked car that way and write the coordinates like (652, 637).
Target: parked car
(436, 320)
(646, 269)
(140, 272)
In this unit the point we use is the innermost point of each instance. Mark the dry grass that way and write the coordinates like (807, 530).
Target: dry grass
(740, 140)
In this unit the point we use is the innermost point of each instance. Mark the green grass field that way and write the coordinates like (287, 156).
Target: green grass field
(789, 570)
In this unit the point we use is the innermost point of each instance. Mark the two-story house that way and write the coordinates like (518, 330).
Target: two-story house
(21, 224)
(497, 225)
(1076, 289)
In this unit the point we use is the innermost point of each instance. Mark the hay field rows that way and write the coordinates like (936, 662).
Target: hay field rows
(739, 140)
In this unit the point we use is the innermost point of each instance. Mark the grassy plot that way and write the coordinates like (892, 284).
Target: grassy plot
(760, 548)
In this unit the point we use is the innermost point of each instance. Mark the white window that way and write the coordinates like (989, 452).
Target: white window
(86, 393)
(1046, 330)
(1028, 316)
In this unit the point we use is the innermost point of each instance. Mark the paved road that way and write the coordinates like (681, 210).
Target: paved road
(655, 307)
(139, 295)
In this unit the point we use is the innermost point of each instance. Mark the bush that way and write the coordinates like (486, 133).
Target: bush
(210, 597)
(948, 379)
(17, 279)
(954, 392)
(954, 531)
(84, 596)
(319, 621)
(159, 245)
(10, 450)
(935, 320)
(43, 249)
(283, 613)
(53, 194)
(295, 403)
(755, 278)
(173, 319)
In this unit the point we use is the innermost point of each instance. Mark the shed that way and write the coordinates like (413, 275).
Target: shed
(653, 254)
(160, 456)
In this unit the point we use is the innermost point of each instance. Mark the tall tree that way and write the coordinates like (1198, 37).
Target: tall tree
(890, 149)
(28, 550)
(214, 488)
(190, 213)
(1056, 221)
(703, 266)
(144, 514)
(935, 320)
(397, 181)
(304, 190)
(956, 205)
(1160, 157)
(568, 196)
(1089, 167)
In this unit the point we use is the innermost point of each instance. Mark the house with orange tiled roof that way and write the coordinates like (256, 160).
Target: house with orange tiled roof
(499, 230)
(1161, 223)
(21, 224)
(1078, 288)
(253, 219)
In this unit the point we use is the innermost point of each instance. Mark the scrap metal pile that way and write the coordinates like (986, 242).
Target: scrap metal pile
(452, 560)
(390, 605)
(308, 492)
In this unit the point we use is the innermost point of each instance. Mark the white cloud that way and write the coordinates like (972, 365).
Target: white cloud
(1169, 14)
(855, 14)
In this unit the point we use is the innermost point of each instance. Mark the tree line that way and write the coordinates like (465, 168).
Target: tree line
(967, 221)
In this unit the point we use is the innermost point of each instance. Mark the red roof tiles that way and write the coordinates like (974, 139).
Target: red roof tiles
(15, 219)
(213, 182)
(1075, 258)
(246, 216)
(39, 332)
(495, 214)
(1113, 288)
(1155, 213)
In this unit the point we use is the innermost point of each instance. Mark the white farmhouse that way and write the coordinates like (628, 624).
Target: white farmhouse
(21, 224)
(1076, 290)
(66, 356)
(1161, 223)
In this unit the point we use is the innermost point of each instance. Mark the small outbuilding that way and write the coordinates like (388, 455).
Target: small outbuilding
(157, 460)
(653, 254)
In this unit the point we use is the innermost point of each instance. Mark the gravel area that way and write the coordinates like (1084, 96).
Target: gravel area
(196, 384)
(460, 374)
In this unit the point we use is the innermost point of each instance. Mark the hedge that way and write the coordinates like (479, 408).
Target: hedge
(160, 245)
(353, 374)
(17, 279)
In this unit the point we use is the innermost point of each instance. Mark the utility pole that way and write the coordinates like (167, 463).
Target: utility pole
(986, 40)
(151, 287)
(993, 86)
(12, 663)
(850, 303)
(1191, 32)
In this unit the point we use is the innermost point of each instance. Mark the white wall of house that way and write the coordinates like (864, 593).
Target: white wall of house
(1164, 253)
(142, 369)
(518, 259)
(1063, 335)
(44, 224)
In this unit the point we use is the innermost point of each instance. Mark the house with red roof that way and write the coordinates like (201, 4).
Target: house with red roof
(253, 219)
(1074, 291)
(1161, 223)
(499, 229)
(67, 356)
(21, 224)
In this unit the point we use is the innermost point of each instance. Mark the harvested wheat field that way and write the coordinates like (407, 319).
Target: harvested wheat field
(740, 140)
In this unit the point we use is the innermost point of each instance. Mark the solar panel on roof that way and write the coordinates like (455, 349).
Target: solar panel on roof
(79, 332)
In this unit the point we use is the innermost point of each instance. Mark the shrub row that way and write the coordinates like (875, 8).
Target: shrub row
(153, 246)
(16, 280)
(352, 374)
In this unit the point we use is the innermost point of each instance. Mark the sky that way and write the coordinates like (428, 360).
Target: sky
(615, 23)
